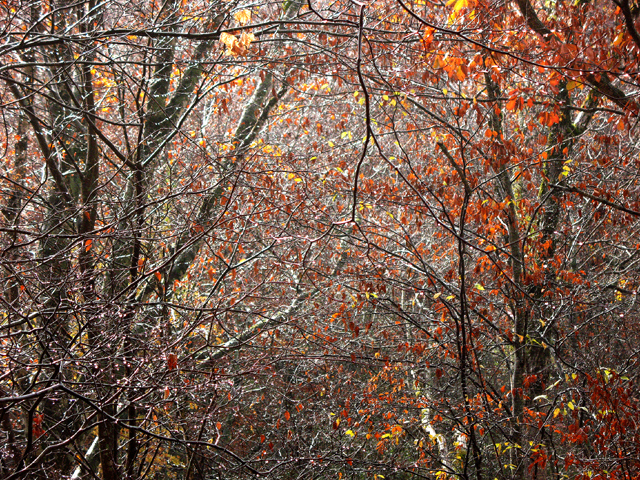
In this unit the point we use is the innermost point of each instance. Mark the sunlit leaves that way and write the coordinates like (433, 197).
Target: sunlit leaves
(459, 4)
(384, 301)
(234, 45)
(243, 16)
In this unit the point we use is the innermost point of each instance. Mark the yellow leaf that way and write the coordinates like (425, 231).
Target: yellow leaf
(346, 134)
(350, 433)
(458, 4)
(243, 16)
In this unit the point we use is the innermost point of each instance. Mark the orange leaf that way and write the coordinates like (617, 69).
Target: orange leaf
(246, 39)
(243, 16)
(228, 39)
(287, 415)
(87, 245)
(158, 276)
(618, 40)
(553, 119)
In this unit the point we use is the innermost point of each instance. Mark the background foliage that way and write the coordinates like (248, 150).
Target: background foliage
(320, 239)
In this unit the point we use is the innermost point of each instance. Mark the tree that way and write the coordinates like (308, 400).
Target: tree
(98, 244)
(319, 239)
(513, 192)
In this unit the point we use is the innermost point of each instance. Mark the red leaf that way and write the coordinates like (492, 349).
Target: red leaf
(172, 360)
(38, 431)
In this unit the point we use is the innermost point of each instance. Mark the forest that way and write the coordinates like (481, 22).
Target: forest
(319, 239)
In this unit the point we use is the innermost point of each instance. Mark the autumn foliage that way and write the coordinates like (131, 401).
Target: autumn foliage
(386, 239)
